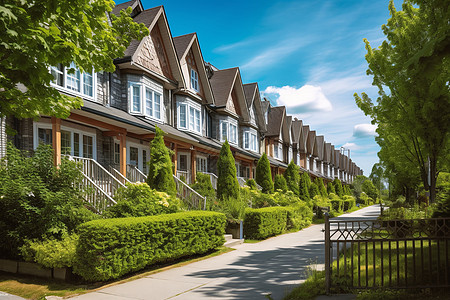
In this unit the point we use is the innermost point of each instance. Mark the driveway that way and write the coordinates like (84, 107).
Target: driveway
(273, 266)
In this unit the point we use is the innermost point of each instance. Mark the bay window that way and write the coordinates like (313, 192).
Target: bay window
(144, 101)
(278, 151)
(73, 81)
(233, 131)
(182, 116)
(250, 141)
(189, 117)
(228, 131)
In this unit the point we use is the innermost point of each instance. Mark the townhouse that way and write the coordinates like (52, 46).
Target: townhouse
(164, 81)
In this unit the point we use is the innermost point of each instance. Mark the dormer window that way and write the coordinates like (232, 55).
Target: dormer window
(250, 140)
(194, 80)
(144, 100)
(189, 117)
(228, 131)
(72, 81)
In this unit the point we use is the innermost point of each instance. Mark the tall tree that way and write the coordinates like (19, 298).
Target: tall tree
(263, 174)
(338, 187)
(36, 35)
(292, 175)
(160, 176)
(304, 184)
(280, 183)
(227, 183)
(411, 71)
(321, 186)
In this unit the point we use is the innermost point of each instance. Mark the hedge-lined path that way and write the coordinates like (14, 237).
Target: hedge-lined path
(273, 266)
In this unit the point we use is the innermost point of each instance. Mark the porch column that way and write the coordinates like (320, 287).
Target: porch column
(175, 159)
(56, 141)
(193, 165)
(123, 153)
(251, 169)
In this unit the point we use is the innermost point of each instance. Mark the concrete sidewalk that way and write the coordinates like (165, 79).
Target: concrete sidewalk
(273, 266)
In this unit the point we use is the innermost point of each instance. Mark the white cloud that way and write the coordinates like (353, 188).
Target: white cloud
(307, 98)
(364, 130)
(351, 146)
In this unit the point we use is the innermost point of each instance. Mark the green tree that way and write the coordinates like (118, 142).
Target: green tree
(160, 176)
(330, 188)
(227, 183)
(321, 186)
(313, 190)
(36, 35)
(338, 187)
(203, 186)
(370, 189)
(304, 184)
(280, 183)
(292, 176)
(357, 185)
(263, 174)
(411, 71)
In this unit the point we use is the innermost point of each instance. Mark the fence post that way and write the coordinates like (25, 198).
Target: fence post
(327, 254)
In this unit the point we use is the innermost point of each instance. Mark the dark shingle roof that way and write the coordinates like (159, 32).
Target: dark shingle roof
(318, 149)
(249, 91)
(304, 139)
(276, 115)
(264, 106)
(310, 142)
(296, 130)
(116, 10)
(221, 84)
(182, 42)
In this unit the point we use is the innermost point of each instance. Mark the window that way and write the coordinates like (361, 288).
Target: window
(157, 105)
(72, 80)
(144, 161)
(66, 142)
(194, 80)
(232, 133)
(197, 120)
(250, 141)
(202, 165)
(148, 102)
(88, 146)
(144, 101)
(247, 140)
(254, 143)
(224, 131)
(278, 151)
(134, 156)
(135, 98)
(116, 153)
(183, 162)
(182, 117)
(76, 144)
(191, 118)
(275, 151)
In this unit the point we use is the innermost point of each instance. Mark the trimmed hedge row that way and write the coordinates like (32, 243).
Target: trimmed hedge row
(110, 248)
(264, 222)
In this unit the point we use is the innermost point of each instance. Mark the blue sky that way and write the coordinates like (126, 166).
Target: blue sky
(306, 55)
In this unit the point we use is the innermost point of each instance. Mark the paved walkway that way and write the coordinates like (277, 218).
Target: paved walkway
(273, 266)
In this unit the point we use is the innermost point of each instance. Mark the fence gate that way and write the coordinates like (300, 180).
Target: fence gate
(365, 254)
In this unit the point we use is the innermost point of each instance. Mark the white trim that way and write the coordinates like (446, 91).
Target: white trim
(193, 113)
(66, 90)
(140, 148)
(194, 79)
(143, 89)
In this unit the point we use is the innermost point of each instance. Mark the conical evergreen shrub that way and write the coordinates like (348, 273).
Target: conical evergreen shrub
(304, 183)
(322, 189)
(313, 190)
(280, 183)
(292, 176)
(227, 183)
(338, 187)
(330, 188)
(263, 174)
(160, 176)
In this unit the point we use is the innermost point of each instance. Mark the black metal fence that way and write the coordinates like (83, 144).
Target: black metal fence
(391, 254)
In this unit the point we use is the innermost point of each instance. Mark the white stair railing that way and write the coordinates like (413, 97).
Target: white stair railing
(118, 175)
(213, 178)
(186, 175)
(135, 175)
(189, 195)
(95, 196)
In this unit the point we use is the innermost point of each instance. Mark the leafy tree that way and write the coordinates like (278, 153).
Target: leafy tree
(321, 186)
(304, 184)
(38, 34)
(280, 183)
(313, 190)
(227, 183)
(411, 71)
(357, 185)
(370, 189)
(330, 188)
(160, 176)
(338, 187)
(263, 174)
(292, 176)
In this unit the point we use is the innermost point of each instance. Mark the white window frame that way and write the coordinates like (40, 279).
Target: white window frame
(156, 99)
(278, 151)
(232, 131)
(185, 106)
(250, 140)
(199, 163)
(194, 80)
(193, 117)
(38, 125)
(65, 74)
(140, 148)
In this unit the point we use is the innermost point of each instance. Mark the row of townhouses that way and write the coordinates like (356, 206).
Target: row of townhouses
(163, 81)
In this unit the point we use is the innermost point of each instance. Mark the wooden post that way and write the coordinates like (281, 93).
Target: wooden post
(56, 141)
(327, 254)
(193, 165)
(175, 159)
(251, 169)
(123, 154)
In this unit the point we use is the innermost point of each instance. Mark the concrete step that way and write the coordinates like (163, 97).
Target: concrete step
(233, 242)
(228, 237)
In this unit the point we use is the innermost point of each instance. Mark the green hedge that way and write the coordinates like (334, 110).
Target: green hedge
(298, 216)
(110, 248)
(264, 222)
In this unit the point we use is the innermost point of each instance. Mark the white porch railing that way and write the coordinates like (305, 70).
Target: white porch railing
(95, 196)
(189, 195)
(213, 178)
(186, 175)
(118, 175)
(135, 175)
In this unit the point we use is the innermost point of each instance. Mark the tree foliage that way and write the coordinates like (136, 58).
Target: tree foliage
(313, 190)
(227, 183)
(36, 35)
(292, 176)
(370, 189)
(263, 174)
(330, 188)
(321, 186)
(304, 184)
(411, 70)
(338, 187)
(160, 176)
(280, 183)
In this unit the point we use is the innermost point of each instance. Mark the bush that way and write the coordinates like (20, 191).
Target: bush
(338, 187)
(280, 183)
(110, 248)
(330, 188)
(298, 216)
(285, 198)
(160, 174)
(263, 174)
(203, 186)
(336, 203)
(363, 199)
(251, 183)
(321, 186)
(318, 202)
(370, 189)
(37, 200)
(348, 202)
(234, 209)
(304, 184)
(51, 253)
(313, 190)
(139, 200)
(292, 176)
(227, 183)
(264, 222)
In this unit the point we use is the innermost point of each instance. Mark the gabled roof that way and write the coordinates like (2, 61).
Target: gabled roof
(318, 148)
(287, 129)
(223, 83)
(276, 117)
(265, 106)
(303, 141)
(310, 142)
(332, 155)
(327, 153)
(252, 97)
(136, 5)
(337, 158)
(296, 131)
(182, 46)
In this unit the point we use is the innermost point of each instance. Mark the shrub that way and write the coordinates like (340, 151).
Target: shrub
(318, 202)
(234, 209)
(292, 176)
(280, 183)
(348, 202)
(285, 198)
(264, 222)
(304, 184)
(139, 200)
(338, 187)
(160, 174)
(251, 183)
(321, 186)
(227, 183)
(370, 189)
(313, 190)
(110, 248)
(298, 216)
(51, 253)
(37, 200)
(203, 186)
(330, 188)
(337, 204)
(263, 174)
(257, 198)
(363, 199)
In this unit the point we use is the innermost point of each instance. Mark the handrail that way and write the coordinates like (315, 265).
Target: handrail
(186, 192)
(98, 197)
(213, 177)
(135, 174)
(118, 175)
(185, 174)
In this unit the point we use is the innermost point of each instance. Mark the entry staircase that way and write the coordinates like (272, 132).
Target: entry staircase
(102, 184)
